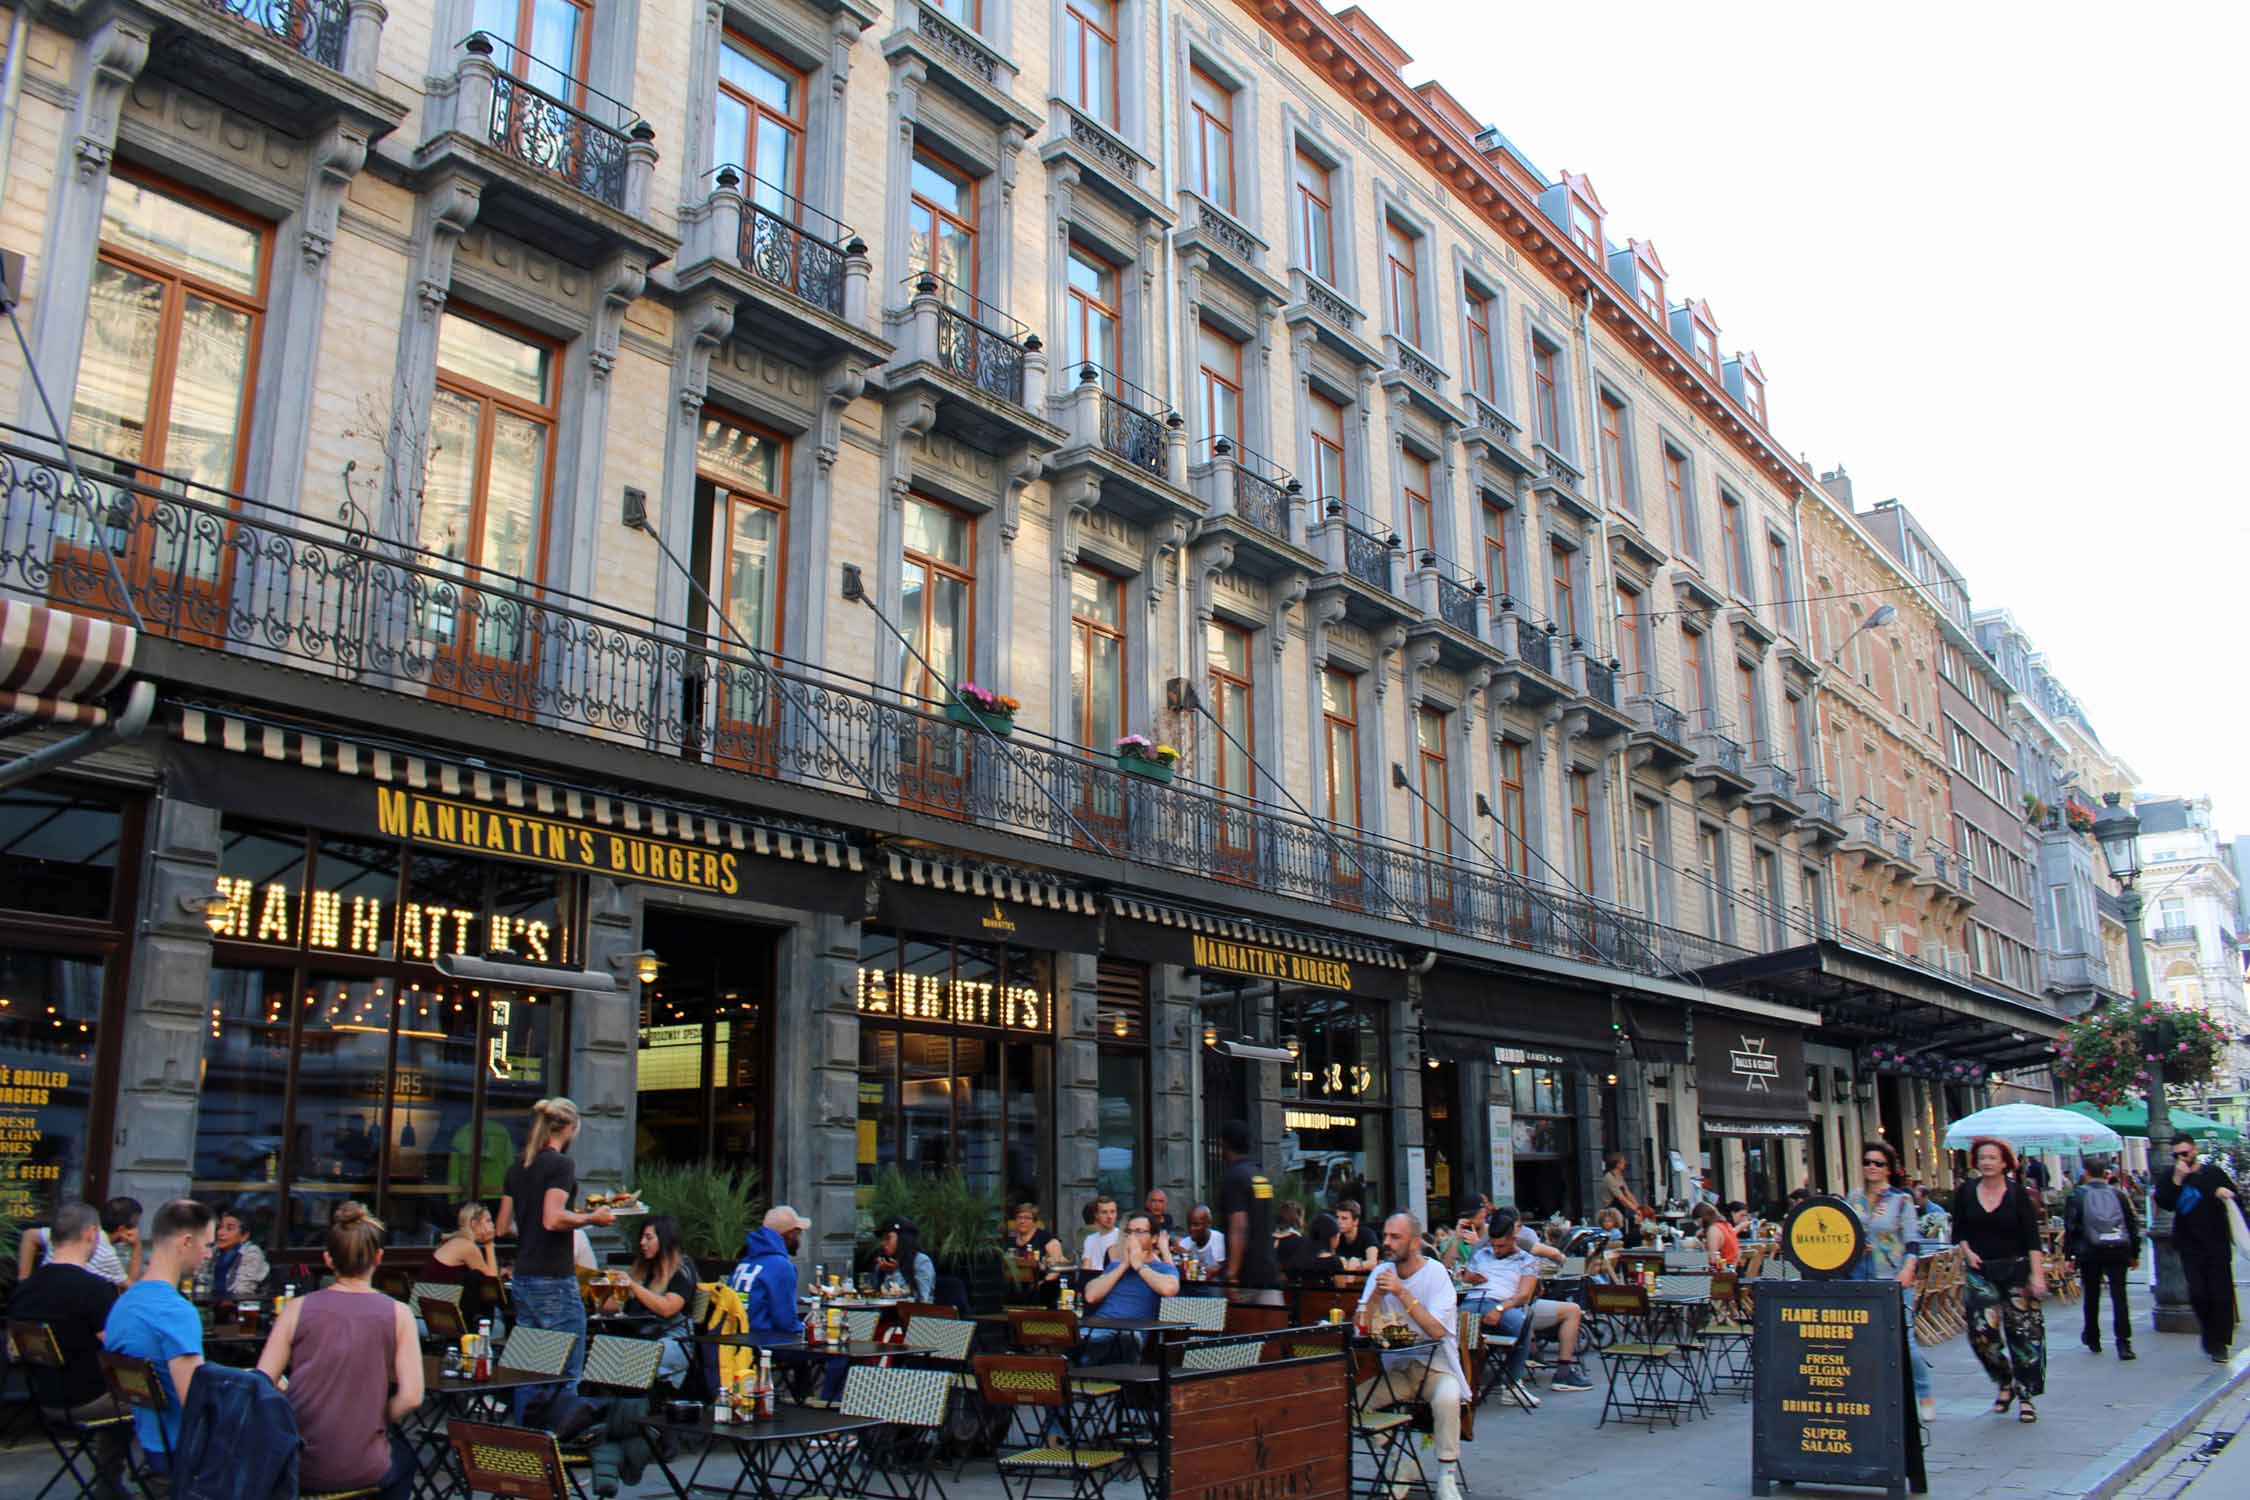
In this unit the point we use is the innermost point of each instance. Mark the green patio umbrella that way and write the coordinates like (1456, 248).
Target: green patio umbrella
(2132, 1119)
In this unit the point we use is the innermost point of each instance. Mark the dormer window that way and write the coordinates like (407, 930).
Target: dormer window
(1754, 398)
(1585, 226)
(1706, 343)
(1648, 279)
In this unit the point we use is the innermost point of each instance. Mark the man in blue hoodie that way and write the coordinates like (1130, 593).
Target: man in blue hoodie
(766, 1276)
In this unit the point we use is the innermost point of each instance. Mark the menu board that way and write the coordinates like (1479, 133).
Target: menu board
(1830, 1400)
(35, 1157)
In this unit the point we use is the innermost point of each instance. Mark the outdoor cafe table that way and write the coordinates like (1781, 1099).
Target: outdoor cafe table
(770, 1453)
(443, 1396)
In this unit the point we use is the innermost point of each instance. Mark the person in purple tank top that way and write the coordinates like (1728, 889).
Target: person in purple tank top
(343, 1348)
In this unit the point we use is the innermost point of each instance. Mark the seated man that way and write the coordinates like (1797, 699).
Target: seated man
(74, 1300)
(1508, 1293)
(152, 1321)
(1134, 1284)
(1409, 1287)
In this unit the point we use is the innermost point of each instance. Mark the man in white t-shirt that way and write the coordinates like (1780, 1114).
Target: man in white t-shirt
(1506, 1275)
(1104, 1238)
(1408, 1286)
(1204, 1242)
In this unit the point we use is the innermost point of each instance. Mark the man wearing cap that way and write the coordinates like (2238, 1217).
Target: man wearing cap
(766, 1276)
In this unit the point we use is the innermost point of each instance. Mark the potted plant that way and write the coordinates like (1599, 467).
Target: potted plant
(716, 1206)
(2034, 808)
(1141, 756)
(2079, 816)
(975, 706)
(2103, 1058)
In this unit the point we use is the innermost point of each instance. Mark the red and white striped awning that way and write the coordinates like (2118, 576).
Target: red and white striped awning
(58, 666)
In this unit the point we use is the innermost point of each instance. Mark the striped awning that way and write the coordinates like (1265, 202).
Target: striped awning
(1236, 929)
(58, 666)
(422, 773)
(1024, 887)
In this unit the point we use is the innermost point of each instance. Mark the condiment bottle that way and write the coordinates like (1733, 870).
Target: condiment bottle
(484, 1349)
(722, 1406)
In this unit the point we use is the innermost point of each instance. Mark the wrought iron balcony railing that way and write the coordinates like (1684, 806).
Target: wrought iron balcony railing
(583, 144)
(1822, 803)
(976, 340)
(313, 29)
(1775, 779)
(788, 242)
(1902, 843)
(226, 573)
(1535, 643)
(1133, 420)
(1457, 604)
(2175, 933)
(1261, 491)
(1601, 682)
(1367, 545)
(1660, 717)
(1721, 750)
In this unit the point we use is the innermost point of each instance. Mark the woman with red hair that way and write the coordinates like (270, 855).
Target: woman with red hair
(1996, 1218)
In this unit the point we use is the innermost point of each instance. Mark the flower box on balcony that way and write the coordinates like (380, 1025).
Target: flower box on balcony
(1140, 765)
(1002, 724)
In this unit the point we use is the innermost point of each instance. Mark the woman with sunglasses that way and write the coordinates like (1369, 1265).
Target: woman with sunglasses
(1997, 1219)
(1886, 1213)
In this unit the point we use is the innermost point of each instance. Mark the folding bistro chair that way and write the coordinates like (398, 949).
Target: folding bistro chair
(538, 1351)
(1384, 1437)
(442, 1318)
(33, 1346)
(1024, 1384)
(861, 1324)
(437, 1291)
(1205, 1314)
(898, 1459)
(1052, 1329)
(521, 1463)
(133, 1385)
(1725, 1340)
(1640, 1371)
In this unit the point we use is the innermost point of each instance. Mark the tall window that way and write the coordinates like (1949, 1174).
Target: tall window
(1644, 857)
(1315, 222)
(1800, 747)
(1752, 728)
(172, 329)
(1211, 156)
(1695, 695)
(1678, 500)
(1710, 856)
(1816, 897)
(1582, 829)
(1097, 658)
(759, 121)
(1480, 374)
(1777, 581)
(741, 525)
(1632, 655)
(1767, 879)
(1401, 248)
(1089, 58)
(1649, 291)
(543, 42)
(1339, 717)
(941, 228)
(1218, 380)
(1091, 323)
(1497, 573)
(485, 500)
(1545, 410)
(937, 597)
(1515, 851)
(1614, 488)
(1563, 595)
(1228, 650)
(1327, 421)
(1730, 541)
(1421, 517)
(1436, 782)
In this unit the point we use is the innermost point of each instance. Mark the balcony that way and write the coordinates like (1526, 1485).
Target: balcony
(1773, 798)
(298, 66)
(1659, 739)
(1318, 313)
(1948, 874)
(1215, 243)
(559, 164)
(986, 372)
(1450, 612)
(1126, 452)
(1413, 377)
(2076, 972)
(1532, 663)
(1721, 769)
(797, 279)
(1100, 160)
(1595, 713)
(1496, 438)
(1822, 822)
(1250, 508)
(1363, 566)
(1562, 484)
(2176, 935)
(960, 62)
(370, 624)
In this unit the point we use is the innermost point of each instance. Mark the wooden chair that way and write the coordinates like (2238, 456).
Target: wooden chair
(33, 1346)
(1640, 1372)
(1021, 1384)
(134, 1384)
(1043, 1328)
(521, 1463)
(443, 1318)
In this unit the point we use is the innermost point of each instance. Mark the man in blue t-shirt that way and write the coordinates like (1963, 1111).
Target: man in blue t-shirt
(152, 1321)
(1134, 1284)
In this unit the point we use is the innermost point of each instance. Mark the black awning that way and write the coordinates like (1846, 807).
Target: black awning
(1486, 1008)
(1658, 1033)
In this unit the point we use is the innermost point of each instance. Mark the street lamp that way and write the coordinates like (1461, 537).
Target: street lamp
(1882, 616)
(2118, 833)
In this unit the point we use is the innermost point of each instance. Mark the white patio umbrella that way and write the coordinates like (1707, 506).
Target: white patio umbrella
(2035, 1128)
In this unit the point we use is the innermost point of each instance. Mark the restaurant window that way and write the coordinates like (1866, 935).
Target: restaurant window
(1582, 830)
(1211, 157)
(956, 1062)
(758, 121)
(1481, 375)
(1325, 421)
(485, 502)
(1402, 253)
(941, 229)
(1436, 779)
(1616, 489)
(1219, 384)
(1097, 659)
(1335, 1093)
(1544, 1137)
(1339, 717)
(1122, 1155)
(1421, 516)
(703, 1079)
(340, 1064)
(1089, 58)
(1091, 321)
(937, 596)
(1497, 572)
(546, 43)
(1515, 849)
(1546, 405)
(1315, 221)
(1679, 499)
(740, 549)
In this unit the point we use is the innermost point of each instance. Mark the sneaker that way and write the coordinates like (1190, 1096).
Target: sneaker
(1570, 1378)
(1521, 1390)
(1928, 1406)
(1447, 1488)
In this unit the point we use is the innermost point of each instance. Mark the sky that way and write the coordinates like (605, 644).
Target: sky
(1982, 251)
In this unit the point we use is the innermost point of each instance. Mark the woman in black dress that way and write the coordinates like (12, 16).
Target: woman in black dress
(1997, 1219)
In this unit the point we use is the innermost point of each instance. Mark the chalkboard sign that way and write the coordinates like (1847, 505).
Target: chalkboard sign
(1831, 1401)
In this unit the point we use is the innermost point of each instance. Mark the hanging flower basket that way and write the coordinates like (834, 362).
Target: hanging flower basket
(2105, 1058)
(976, 707)
(2079, 817)
(1138, 755)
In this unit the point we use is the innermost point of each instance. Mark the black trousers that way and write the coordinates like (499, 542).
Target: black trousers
(2210, 1289)
(2093, 1272)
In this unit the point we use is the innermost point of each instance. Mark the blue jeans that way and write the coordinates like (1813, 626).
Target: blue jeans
(1865, 1271)
(551, 1302)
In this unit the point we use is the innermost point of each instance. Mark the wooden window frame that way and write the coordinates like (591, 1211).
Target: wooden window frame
(1649, 289)
(1246, 733)
(1421, 514)
(1082, 310)
(1479, 372)
(1437, 832)
(1330, 722)
(1206, 124)
(1777, 575)
(1586, 236)
(1746, 700)
(1679, 496)
(1582, 827)
(1703, 345)
(1403, 280)
(915, 201)
(1083, 631)
(794, 124)
(1562, 587)
(1325, 447)
(934, 568)
(724, 491)
(1631, 647)
(492, 400)
(1754, 398)
(519, 47)
(1307, 200)
(1497, 562)
(1730, 542)
(1610, 413)
(1515, 844)
(1546, 404)
(1213, 381)
(1695, 683)
(1076, 23)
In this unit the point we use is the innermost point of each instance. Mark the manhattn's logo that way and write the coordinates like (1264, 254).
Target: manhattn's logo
(1757, 1067)
(998, 921)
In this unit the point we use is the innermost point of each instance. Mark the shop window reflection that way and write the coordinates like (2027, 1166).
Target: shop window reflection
(531, 1032)
(238, 1115)
(878, 1104)
(50, 1023)
(433, 1101)
(341, 1066)
(61, 851)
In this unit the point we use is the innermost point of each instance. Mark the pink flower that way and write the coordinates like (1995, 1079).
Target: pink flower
(2183, 1046)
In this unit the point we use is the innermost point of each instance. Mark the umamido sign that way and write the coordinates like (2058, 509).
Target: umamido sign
(1831, 1397)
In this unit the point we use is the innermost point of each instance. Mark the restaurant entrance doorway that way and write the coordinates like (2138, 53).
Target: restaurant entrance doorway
(704, 1073)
